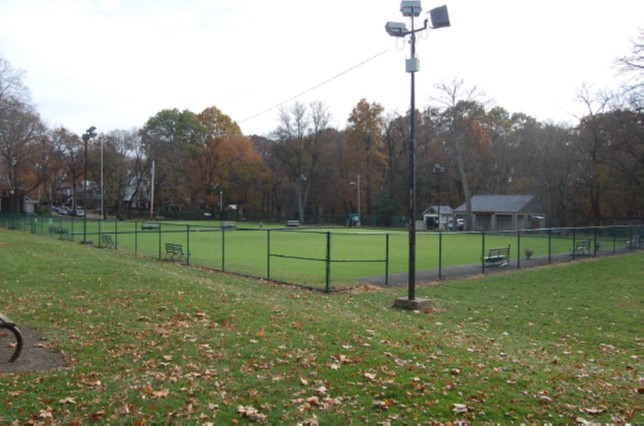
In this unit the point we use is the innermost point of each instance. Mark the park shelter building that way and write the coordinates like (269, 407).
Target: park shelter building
(435, 215)
(504, 212)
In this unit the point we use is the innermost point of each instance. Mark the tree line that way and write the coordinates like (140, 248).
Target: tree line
(308, 170)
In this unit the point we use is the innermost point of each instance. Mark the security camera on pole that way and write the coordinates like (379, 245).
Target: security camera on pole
(439, 19)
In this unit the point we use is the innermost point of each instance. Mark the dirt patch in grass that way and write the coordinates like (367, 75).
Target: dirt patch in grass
(36, 355)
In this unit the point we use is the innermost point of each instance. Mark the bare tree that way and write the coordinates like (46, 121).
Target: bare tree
(453, 94)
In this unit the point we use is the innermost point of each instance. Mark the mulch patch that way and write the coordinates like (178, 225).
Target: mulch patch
(36, 355)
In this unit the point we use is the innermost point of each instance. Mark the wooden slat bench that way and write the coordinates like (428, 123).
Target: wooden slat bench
(6, 323)
(581, 248)
(498, 256)
(107, 241)
(635, 243)
(228, 224)
(175, 251)
(292, 223)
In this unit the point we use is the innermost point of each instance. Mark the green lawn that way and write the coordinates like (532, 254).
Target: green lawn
(165, 343)
(299, 255)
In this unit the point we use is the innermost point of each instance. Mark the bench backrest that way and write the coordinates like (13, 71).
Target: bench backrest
(500, 251)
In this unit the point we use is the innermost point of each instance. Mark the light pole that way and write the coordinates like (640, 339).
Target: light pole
(359, 203)
(439, 170)
(89, 133)
(102, 186)
(439, 19)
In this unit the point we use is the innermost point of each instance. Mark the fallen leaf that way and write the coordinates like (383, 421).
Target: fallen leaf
(123, 410)
(68, 400)
(370, 376)
(593, 410)
(251, 413)
(460, 408)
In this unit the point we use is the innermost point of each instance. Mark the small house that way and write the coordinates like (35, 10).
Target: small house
(504, 212)
(437, 215)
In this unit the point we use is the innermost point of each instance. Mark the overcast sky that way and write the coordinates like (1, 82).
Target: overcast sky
(114, 64)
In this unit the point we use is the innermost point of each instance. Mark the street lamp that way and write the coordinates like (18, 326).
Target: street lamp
(439, 19)
(439, 170)
(359, 212)
(89, 133)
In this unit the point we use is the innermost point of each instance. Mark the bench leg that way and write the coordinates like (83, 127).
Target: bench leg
(16, 332)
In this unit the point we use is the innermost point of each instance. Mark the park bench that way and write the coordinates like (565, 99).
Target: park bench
(57, 230)
(6, 323)
(498, 256)
(635, 243)
(581, 248)
(228, 224)
(107, 241)
(174, 250)
(149, 226)
(292, 223)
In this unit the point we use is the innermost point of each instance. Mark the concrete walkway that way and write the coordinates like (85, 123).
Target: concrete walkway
(452, 272)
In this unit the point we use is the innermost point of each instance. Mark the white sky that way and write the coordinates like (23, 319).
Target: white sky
(114, 64)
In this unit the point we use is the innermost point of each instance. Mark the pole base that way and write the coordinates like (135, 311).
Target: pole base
(413, 305)
(87, 242)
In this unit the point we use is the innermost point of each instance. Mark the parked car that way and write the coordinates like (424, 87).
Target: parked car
(64, 210)
(460, 224)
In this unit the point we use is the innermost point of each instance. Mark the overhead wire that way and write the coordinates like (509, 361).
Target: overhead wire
(317, 86)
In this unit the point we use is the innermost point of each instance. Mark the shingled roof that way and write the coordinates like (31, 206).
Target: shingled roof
(498, 203)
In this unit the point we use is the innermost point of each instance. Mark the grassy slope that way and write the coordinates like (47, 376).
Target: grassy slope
(158, 341)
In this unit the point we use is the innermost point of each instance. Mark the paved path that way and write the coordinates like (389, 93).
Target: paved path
(451, 272)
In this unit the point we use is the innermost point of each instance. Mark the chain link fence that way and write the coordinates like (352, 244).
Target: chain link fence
(330, 259)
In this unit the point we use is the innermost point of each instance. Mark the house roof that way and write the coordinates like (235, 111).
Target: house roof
(498, 203)
(445, 210)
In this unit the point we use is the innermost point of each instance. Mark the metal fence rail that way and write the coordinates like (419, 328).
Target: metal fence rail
(330, 259)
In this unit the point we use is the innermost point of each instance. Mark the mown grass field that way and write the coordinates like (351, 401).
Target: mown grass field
(298, 255)
(158, 342)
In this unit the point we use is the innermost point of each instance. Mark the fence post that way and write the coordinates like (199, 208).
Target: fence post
(328, 261)
(518, 249)
(595, 242)
(387, 259)
(482, 252)
(160, 225)
(574, 238)
(440, 254)
(549, 246)
(188, 244)
(136, 237)
(268, 254)
(223, 249)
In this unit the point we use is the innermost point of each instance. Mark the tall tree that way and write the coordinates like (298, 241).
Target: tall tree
(69, 149)
(300, 147)
(20, 129)
(365, 154)
(460, 116)
(172, 138)
(207, 174)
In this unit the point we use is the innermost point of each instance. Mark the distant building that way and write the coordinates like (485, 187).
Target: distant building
(504, 212)
(435, 215)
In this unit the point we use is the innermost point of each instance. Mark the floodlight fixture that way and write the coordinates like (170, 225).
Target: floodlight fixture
(396, 29)
(410, 8)
(439, 17)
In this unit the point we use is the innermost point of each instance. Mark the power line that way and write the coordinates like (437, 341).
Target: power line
(317, 86)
